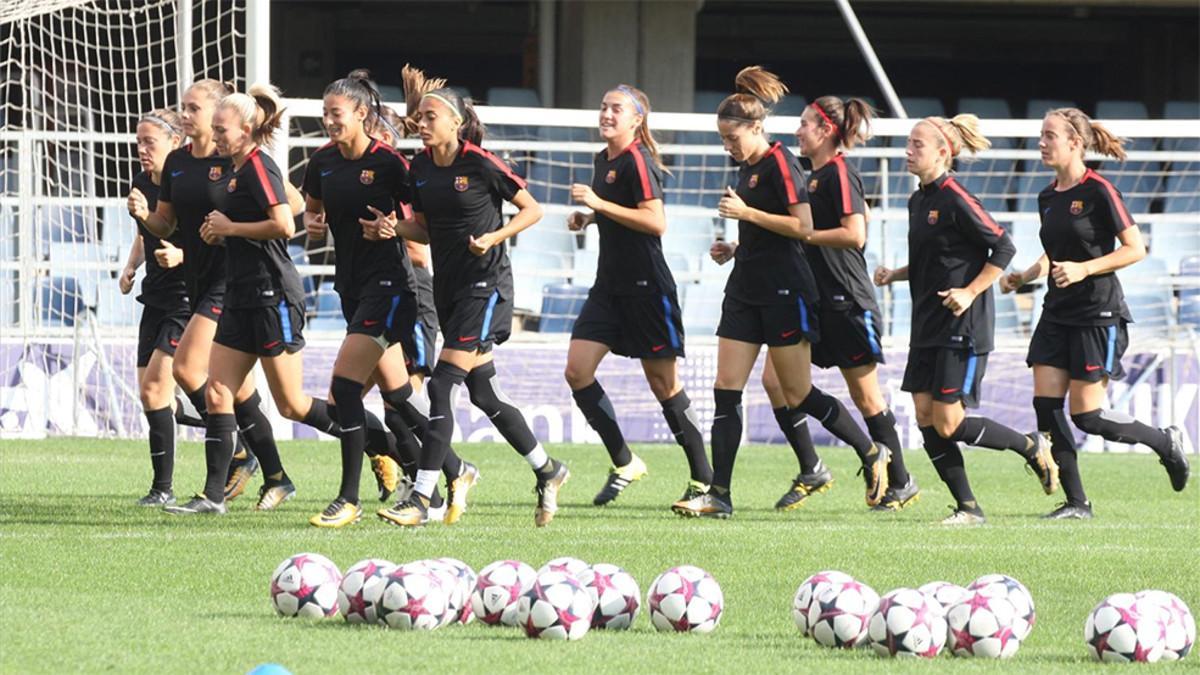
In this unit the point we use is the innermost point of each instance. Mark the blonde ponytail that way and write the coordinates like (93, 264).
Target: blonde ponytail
(959, 133)
(261, 107)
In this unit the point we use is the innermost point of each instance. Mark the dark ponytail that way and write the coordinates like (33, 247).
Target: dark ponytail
(472, 129)
(756, 89)
(851, 118)
(358, 87)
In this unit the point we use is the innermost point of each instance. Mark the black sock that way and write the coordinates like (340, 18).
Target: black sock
(504, 414)
(198, 401)
(413, 410)
(318, 417)
(352, 418)
(380, 441)
(882, 428)
(186, 417)
(218, 451)
(446, 376)
(1052, 419)
(406, 443)
(162, 446)
(794, 425)
(948, 461)
(256, 430)
(726, 435)
(833, 416)
(1121, 428)
(681, 420)
(983, 432)
(599, 413)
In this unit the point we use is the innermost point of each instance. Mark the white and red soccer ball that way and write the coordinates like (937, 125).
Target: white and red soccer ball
(362, 588)
(306, 585)
(498, 590)
(556, 607)
(615, 595)
(983, 626)
(685, 599)
(908, 622)
(567, 565)
(945, 593)
(1181, 626)
(1125, 628)
(1003, 586)
(461, 596)
(413, 598)
(839, 615)
(809, 589)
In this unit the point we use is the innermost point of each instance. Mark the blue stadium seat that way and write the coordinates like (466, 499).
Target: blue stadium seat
(1121, 110)
(392, 94)
(1145, 277)
(1189, 298)
(1037, 108)
(918, 107)
(561, 304)
(537, 269)
(985, 108)
(1033, 179)
(868, 169)
(551, 174)
(515, 97)
(1175, 241)
(707, 101)
(1182, 193)
(698, 180)
(792, 105)
(1152, 310)
(59, 301)
(1182, 110)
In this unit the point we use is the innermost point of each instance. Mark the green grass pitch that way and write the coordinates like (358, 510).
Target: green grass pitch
(89, 582)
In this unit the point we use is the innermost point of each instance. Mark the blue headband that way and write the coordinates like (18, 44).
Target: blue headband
(636, 104)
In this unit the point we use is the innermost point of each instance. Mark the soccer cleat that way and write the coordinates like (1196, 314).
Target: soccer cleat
(706, 505)
(619, 478)
(198, 505)
(547, 494)
(157, 498)
(806, 484)
(961, 518)
(1066, 511)
(241, 470)
(1042, 462)
(387, 475)
(339, 513)
(411, 512)
(1176, 462)
(874, 474)
(897, 498)
(457, 490)
(693, 490)
(273, 493)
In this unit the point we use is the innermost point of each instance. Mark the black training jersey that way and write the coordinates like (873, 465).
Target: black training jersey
(462, 201)
(195, 186)
(950, 238)
(770, 268)
(836, 191)
(631, 262)
(163, 288)
(1079, 224)
(346, 187)
(261, 272)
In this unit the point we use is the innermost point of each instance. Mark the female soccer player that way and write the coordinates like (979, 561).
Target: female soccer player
(956, 252)
(632, 309)
(457, 191)
(164, 297)
(1082, 334)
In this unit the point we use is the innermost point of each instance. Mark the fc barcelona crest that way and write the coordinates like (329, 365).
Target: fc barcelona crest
(812, 185)
(933, 217)
(611, 176)
(461, 183)
(753, 182)
(232, 184)
(214, 173)
(366, 177)
(1076, 207)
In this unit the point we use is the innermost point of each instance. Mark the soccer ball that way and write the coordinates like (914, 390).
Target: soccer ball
(1181, 629)
(615, 595)
(946, 593)
(1126, 628)
(983, 625)
(839, 615)
(568, 565)
(306, 585)
(1001, 586)
(809, 590)
(908, 623)
(498, 589)
(685, 599)
(413, 598)
(461, 597)
(558, 607)
(361, 589)
(448, 580)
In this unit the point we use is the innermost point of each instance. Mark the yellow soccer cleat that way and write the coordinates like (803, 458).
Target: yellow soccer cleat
(457, 490)
(339, 513)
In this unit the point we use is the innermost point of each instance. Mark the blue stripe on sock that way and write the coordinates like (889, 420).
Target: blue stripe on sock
(969, 380)
(666, 301)
(487, 316)
(1111, 353)
(872, 339)
(803, 314)
(392, 312)
(285, 321)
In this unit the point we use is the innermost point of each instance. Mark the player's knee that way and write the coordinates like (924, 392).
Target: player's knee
(662, 386)
(945, 427)
(151, 393)
(218, 397)
(577, 378)
(1089, 422)
(185, 374)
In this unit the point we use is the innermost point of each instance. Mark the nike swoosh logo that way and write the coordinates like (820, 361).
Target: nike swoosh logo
(326, 173)
(176, 173)
(466, 338)
(271, 344)
(858, 356)
(949, 391)
(1091, 369)
(789, 333)
(421, 183)
(658, 348)
(369, 322)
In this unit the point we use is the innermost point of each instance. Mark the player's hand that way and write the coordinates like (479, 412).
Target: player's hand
(884, 276)
(583, 194)
(957, 300)
(138, 206)
(126, 280)
(722, 251)
(578, 220)
(216, 227)
(382, 226)
(482, 244)
(169, 255)
(1066, 273)
(1012, 281)
(731, 205)
(315, 226)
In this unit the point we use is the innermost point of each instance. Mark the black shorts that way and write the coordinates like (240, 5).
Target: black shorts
(1089, 353)
(387, 319)
(160, 329)
(264, 331)
(849, 337)
(476, 323)
(210, 305)
(637, 326)
(948, 373)
(771, 325)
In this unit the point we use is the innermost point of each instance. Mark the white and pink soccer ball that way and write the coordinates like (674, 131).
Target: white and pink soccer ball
(908, 623)
(809, 589)
(1125, 628)
(414, 598)
(983, 626)
(839, 615)
(362, 588)
(945, 593)
(614, 593)
(1181, 627)
(306, 585)
(557, 607)
(461, 596)
(498, 591)
(567, 565)
(685, 599)
(447, 578)
(1003, 586)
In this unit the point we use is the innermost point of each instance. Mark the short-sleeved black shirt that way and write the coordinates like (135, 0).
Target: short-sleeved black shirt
(1080, 224)
(461, 201)
(770, 268)
(162, 287)
(195, 186)
(346, 187)
(631, 262)
(834, 192)
(261, 272)
(950, 238)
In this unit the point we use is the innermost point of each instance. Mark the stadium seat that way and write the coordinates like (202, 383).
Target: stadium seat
(550, 234)
(1037, 108)
(792, 105)
(328, 309)
(1032, 179)
(537, 269)
(392, 94)
(1152, 310)
(1174, 241)
(1148, 275)
(59, 301)
(707, 101)
(698, 180)
(918, 107)
(63, 224)
(115, 309)
(561, 304)
(83, 260)
(584, 268)
(690, 234)
(514, 97)
(1189, 296)
(1182, 193)
(1121, 110)
(551, 174)
(985, 108)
